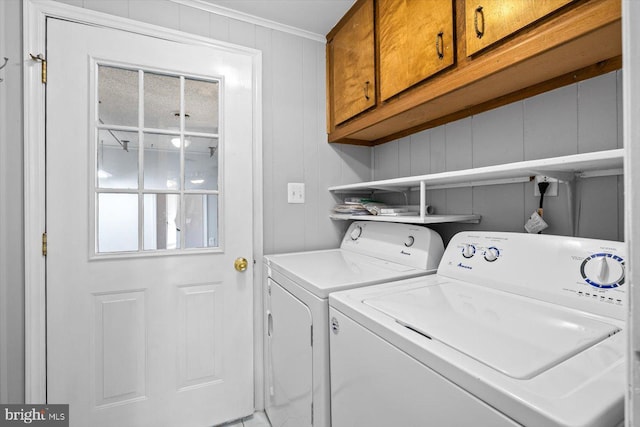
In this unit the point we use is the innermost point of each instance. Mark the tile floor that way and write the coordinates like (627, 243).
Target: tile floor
(258, 419)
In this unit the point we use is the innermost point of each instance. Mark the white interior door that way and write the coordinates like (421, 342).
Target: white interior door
(149, 195)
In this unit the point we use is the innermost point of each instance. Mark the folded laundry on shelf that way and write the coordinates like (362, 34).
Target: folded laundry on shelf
(358, 206)
(351, 209)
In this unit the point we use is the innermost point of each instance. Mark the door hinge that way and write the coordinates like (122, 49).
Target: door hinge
(40, 58)
(311, 335)
(44, 244)
(311, 413)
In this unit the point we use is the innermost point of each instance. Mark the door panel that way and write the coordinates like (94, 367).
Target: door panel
(148, 323)
(120, 366)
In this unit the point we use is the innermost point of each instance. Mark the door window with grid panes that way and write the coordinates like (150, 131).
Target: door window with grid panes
(157, 170)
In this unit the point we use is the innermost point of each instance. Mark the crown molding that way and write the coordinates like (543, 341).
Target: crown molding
(252, 19)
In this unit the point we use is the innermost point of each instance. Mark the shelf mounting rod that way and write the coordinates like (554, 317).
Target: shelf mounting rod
(423, 201)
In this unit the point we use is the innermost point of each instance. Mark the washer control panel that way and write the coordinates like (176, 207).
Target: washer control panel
(582, 273)
(490, 253)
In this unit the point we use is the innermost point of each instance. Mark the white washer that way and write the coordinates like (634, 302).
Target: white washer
(297, 392)
(514, 329)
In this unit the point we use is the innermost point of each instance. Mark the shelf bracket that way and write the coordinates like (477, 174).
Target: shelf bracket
(560, 176)
(574, 208)
(598, 173)
(423, 200)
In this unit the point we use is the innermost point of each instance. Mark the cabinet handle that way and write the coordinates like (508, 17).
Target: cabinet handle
(440, 45)
(366, 90)
(478, 13)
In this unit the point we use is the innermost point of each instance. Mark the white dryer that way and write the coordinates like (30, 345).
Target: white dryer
(513, 330)
(297, 392)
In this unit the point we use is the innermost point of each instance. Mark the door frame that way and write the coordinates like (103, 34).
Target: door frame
(631, 131)
(35, 13)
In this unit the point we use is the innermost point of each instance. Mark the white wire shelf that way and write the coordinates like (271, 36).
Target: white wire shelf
(410, 219)
(565, 169)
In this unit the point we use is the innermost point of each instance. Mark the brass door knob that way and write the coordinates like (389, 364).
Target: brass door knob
(241, 264)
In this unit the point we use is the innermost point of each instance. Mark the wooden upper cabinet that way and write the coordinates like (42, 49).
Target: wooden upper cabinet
(423, 55)
(351, 64)
(415, 41)
(488, 21)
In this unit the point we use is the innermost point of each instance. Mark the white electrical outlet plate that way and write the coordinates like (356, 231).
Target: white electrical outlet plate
(552, 190)
(295, 192)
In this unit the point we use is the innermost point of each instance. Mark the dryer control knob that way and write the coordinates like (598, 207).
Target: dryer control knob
(491, 254)
(409, 241)
(356, 232)
(468, 251)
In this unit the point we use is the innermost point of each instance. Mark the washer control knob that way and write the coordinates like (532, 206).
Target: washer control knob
(491, 254)
(603, 270)
(356, 232)
(409, 241)
(468, 251)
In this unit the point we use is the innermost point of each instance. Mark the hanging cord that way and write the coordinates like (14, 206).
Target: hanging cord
(542, 187)
(4, 65)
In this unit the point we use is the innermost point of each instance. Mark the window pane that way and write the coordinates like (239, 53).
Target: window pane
(117, 96)
(161, 101)
(117, 159)
(201, 221)
(117, 222)
(201, 106)
(161, 221)
(161, 162)
(201, 163)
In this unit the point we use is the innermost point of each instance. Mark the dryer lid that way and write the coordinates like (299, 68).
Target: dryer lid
(322, 272)
(518, 336)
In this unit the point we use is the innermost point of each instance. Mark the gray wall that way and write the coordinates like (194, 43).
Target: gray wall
(579, 118)
(294, 143)
(11, 212)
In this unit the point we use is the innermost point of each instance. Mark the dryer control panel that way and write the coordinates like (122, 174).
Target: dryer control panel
(586, 274)
(411, 245)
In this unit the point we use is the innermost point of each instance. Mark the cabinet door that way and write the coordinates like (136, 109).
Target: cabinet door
(488, 21)
(415, 40)
(352, 64)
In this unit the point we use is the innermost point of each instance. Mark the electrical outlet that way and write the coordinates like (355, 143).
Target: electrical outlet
(295, 192)
(552, 190)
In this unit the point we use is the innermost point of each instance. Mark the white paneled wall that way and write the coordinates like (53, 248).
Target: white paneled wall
(578, 118)
(294, 130)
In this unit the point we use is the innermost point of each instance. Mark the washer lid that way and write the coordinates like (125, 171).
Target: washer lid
(322, 272)
(518, 336)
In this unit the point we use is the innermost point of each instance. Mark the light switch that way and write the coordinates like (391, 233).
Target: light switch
(295, 192)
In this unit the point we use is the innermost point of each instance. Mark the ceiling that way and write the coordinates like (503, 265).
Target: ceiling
(316, 16)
